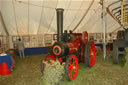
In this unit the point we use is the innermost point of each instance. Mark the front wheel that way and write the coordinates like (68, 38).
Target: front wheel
(71, 67)
(47, 58)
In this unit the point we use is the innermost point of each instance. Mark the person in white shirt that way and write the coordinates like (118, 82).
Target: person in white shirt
(20, 47)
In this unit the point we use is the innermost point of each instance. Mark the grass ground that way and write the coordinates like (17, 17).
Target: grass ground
(27, 72)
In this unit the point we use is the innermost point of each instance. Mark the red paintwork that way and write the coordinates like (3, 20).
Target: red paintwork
(60, 59)
(85, 37)
(58, 48)
(73, 67)
(49, 57)
(75, 44)
(82, 53)
(92, 54)
(4, 69)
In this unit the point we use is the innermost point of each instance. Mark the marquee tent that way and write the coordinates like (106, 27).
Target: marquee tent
(27, 17)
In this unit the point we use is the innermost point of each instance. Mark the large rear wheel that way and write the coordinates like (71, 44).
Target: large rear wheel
(71, 67)
(90, 54)
(115, 52)
(82, 53)
(85, 37)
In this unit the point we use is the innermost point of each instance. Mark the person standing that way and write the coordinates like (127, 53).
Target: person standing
(20, 47)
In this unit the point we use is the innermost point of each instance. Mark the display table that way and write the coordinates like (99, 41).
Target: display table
(5, 64)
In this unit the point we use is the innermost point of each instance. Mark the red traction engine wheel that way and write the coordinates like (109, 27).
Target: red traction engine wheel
(71, 67)
(90, 54)
(47, 58)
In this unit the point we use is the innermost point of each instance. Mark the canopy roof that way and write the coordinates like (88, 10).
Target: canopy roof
(31, 17)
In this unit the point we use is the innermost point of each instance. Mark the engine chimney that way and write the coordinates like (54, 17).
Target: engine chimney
(59, 12)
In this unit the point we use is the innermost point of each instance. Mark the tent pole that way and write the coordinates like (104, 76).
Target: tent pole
(28, 15)
(104, 29)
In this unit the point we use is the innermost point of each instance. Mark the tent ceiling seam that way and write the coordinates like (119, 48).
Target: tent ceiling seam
(89, 20)
(40, 18)
(67, 9)
(75, 16)
(52, 19)
(50, 23)
(50, 7)
(42, 26)
(15, 17)
(28, 16)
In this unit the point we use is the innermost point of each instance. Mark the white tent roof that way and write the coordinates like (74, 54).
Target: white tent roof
(29, 17)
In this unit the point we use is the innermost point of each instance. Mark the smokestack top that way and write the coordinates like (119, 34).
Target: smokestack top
(59, 9)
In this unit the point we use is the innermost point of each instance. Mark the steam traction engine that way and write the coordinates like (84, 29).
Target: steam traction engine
(120, 14)
(71, 48)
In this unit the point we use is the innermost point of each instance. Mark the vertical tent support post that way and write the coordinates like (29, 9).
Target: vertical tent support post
(104, 29)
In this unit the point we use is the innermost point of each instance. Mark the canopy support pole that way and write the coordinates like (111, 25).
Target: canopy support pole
(104, 29)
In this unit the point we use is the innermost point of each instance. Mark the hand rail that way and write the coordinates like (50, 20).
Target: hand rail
(114, 12)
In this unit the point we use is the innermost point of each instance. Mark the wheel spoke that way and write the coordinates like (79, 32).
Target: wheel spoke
(70, 74)
(74, 62)
(91, 56)
(74, 70)
(69, 67)
(69, 64)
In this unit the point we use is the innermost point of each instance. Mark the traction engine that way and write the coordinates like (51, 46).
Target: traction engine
(120, 15)
(71, 48)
